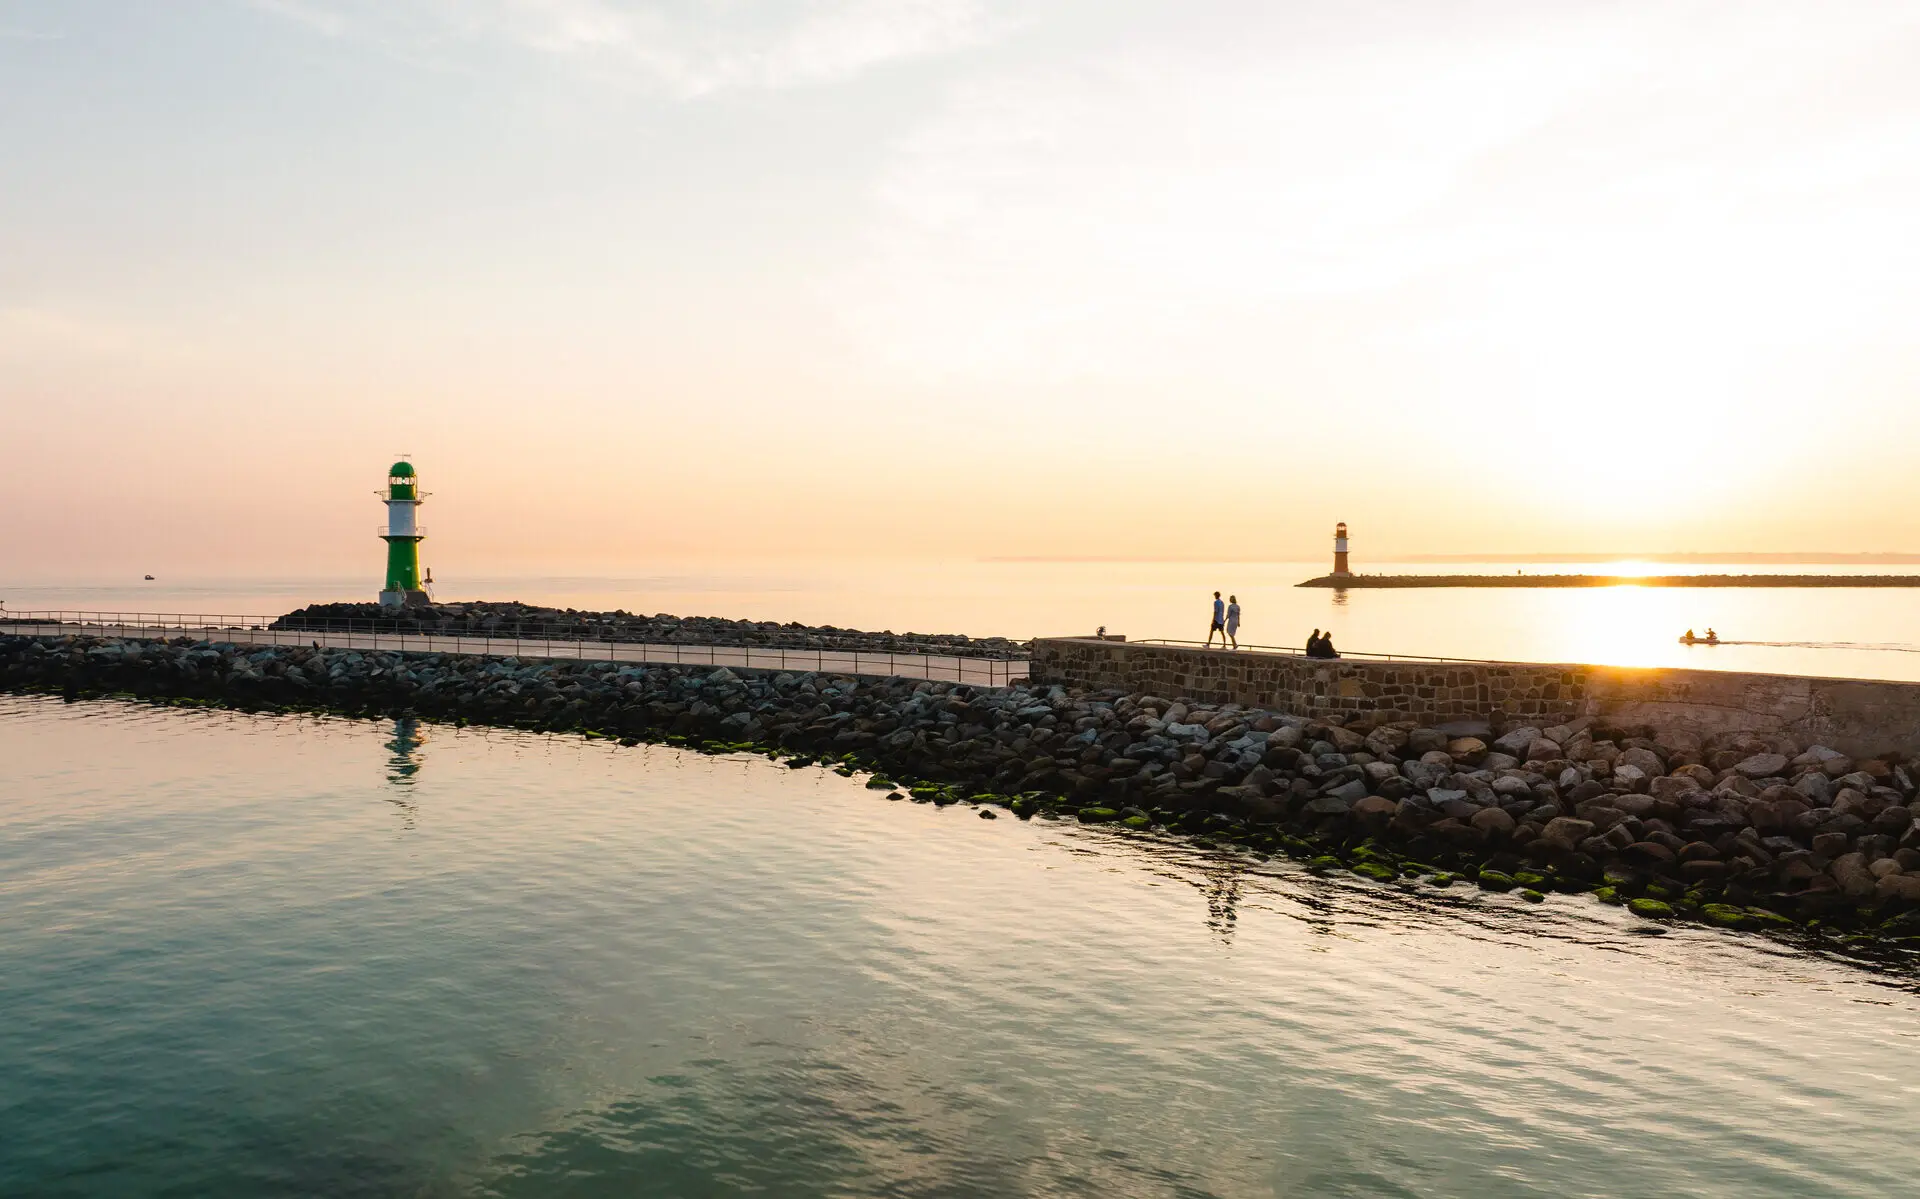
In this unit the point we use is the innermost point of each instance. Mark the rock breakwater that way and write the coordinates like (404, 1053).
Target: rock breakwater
(1734, 830)
(512, 619)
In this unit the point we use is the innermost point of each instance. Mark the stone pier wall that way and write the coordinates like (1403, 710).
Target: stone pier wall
(1853, 716)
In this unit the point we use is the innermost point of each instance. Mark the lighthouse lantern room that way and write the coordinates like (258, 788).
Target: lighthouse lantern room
(403, 534)
(1340, 549)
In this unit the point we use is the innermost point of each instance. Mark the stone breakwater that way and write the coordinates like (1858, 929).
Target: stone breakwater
(1860, 717)
(1359, 582)
(488, 619)
(1736, 830)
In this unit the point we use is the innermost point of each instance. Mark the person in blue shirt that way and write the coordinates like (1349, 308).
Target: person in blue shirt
(1219, 622)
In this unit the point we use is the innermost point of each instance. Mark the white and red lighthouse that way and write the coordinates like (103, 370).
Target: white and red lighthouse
(1340, 549)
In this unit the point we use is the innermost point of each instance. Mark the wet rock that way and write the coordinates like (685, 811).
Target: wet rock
(1374, 808)
(1492, 822)
(1856, 882)
(1566, 833)
(1647, 855)
(1902, 888)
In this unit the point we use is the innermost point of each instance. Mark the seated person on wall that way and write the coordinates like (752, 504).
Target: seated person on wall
(1320, 645)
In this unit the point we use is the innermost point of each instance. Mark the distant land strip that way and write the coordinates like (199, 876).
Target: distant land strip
(1525, 580)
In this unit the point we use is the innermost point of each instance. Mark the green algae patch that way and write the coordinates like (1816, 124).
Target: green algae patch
(1323, 863)
(1762, 918)
(1528, 878)
(1376, 871)
(1726, 915)
(1494, 880)
(1098, 815)
(1532, 896)
(1609, 895)
(1138, 822)
(1441, 880)
(1651, 909)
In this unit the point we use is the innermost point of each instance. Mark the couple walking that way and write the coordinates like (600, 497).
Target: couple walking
(1226, 621)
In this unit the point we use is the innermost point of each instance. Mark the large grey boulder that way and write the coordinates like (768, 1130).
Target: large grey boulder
(1492, 822)
(1566, 832)
(1856, 881)
(1651, 765)
(1762, 766)
(1516, 742)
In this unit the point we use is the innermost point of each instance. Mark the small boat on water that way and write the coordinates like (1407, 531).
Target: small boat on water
(1688, 638)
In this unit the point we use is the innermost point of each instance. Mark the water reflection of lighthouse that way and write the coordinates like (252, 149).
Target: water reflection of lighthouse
(406, 743)
(402, 765)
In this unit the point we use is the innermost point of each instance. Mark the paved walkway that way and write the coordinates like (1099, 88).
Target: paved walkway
(986, 672)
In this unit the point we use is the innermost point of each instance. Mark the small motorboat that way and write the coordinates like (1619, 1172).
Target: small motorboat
(149, 578)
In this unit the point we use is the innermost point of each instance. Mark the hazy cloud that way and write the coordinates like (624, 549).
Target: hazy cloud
(1631, 198)
(686, 47)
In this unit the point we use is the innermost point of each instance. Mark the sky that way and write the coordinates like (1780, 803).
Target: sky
(637, 279)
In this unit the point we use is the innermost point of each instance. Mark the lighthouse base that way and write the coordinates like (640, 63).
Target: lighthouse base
(405, 599)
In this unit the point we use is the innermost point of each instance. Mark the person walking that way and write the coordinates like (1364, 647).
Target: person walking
(1233, 620)
(1219, 622)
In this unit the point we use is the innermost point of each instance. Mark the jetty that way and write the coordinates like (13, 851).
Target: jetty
(1355, 581)
(1742, 801)
(1342, 577)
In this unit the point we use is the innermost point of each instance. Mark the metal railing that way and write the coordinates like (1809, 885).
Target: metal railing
(937, 663)
(1299, 652)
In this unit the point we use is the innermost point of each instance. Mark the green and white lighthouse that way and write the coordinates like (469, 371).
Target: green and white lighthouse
(403, 534)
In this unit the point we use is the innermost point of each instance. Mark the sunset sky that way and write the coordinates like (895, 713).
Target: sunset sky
(954, 277)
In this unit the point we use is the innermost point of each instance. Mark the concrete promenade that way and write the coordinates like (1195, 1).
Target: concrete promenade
(985, 672)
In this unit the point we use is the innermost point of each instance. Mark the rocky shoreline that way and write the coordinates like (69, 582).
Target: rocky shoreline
(513, 619)
(1737, 831)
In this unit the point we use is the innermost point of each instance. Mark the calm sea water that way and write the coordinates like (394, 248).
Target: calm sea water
(1837, 632)
(271, 956)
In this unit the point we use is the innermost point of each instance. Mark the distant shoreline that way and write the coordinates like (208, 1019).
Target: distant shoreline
(1526, 580)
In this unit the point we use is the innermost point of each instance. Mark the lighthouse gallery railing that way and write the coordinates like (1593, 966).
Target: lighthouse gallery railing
(935, 662)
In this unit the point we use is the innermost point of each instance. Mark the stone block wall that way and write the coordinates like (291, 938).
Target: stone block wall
(1857, 717)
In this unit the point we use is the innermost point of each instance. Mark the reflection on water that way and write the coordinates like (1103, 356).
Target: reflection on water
(407, 740)
(403, 764)
(605, 971)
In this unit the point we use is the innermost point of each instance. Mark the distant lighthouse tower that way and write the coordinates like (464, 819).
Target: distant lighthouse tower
(403, 535)
(1340, 550)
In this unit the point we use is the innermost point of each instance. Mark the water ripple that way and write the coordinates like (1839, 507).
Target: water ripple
(252, 955)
